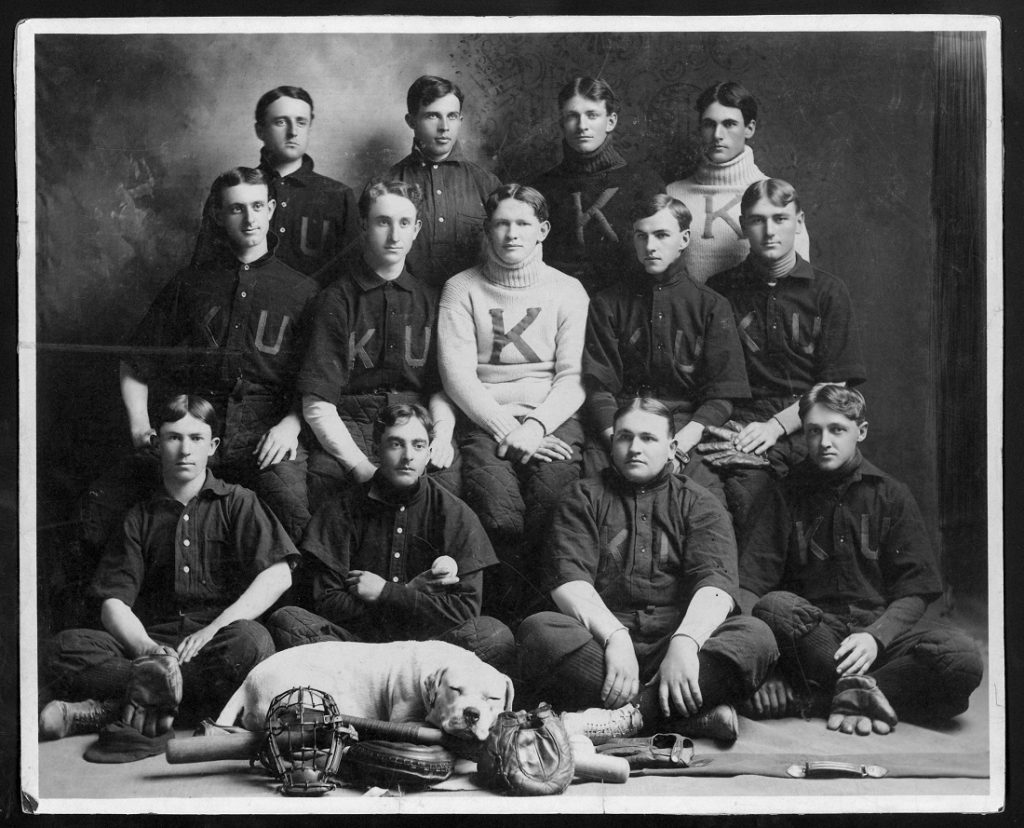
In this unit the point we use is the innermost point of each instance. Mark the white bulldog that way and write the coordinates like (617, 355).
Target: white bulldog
(400, 681)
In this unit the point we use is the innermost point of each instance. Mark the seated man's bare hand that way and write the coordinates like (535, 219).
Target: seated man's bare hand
(442, 452)
(757, 438)
(773, 700)
(521, 443)
(621, 672)
(553, 448)
(366, 586)
(280, 442)
(856, 653)
(677, 678)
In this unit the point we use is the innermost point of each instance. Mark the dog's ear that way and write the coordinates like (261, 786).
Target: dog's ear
(430, 684)
(510, 692)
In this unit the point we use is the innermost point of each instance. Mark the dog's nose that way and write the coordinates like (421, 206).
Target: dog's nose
(471, 714)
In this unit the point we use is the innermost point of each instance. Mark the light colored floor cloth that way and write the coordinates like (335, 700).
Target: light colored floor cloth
(65, 774)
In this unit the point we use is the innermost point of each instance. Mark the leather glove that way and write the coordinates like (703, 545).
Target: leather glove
(154, 693)
(722, 453)
(662, 750)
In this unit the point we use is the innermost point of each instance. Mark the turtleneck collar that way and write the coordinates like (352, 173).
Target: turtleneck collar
(739, 170)
(604, 158)
(660, 479)
(525, 274)
(776, 270)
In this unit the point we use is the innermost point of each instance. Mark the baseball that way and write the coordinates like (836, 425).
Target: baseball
(444, 566)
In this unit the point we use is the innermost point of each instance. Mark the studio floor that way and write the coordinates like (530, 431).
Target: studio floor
(67, 783)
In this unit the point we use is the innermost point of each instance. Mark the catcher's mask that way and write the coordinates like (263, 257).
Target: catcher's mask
(304, 742)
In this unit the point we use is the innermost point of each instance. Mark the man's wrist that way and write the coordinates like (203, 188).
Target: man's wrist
(686, 637)
(543, 430)
(608, 638)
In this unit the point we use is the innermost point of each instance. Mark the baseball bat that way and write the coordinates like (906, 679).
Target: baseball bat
(246, 745)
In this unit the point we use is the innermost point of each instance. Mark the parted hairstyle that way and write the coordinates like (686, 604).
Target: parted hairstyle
(593, 88)
(662, 201)
(379, 187)
(846, 401)
(778, 192)
(180, 405)
(520, 192)
(399, 414)
(268, 98)
(428, 88)
(234, 177)
(651, 406)
(728, 93)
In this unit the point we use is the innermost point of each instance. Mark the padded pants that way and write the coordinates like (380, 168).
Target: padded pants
(929, 672)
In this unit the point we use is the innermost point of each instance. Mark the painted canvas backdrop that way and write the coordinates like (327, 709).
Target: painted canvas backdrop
(132, 129)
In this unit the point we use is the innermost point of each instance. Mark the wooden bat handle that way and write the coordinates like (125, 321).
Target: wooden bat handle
(604, 768)
(211, 748)
(393, 731)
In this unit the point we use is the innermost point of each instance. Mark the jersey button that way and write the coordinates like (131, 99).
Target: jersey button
(438, 192)
(284, 203)
(399, 530)
(245, 267)
(184, 517)
(185, 569)
(186, 542)
(401, 508)
(395, 579)
(282, 230)
(398, 554)
(244, 294)
(441, 219)
(435, 166)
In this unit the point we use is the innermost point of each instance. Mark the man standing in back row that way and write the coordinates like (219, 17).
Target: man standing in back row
(316, 217)
(454, 188)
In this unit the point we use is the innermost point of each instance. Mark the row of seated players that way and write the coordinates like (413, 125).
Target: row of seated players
(645, 632)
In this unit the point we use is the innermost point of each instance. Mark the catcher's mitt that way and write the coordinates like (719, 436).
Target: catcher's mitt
(395, 764)
(153, 694)
(722, 453)
(527, 754)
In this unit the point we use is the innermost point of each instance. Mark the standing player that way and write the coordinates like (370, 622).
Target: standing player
(797, 328)
(233, 331)
(727, 115)
(591, 191)
(844, 579)
(192, 568)
(453, 187)
(315, 219)
(658, 334)
(373, 343)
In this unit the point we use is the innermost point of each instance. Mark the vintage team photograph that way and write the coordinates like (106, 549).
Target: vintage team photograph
(490, 415)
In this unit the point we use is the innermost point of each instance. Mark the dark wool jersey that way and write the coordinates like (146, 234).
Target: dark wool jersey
(397, 534)
(369, 334)
(226, 322)
(315, 220)
(171, 560)
(670, 339)
(798, 333)
(856, 539)
(639, 546)
(589, 199)
(454, 191)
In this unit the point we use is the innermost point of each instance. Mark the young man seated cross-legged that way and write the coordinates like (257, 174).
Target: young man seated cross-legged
(844, 577)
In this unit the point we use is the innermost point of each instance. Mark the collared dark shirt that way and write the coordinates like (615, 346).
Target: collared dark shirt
(854, 541)
(669, 338)
(315, 219)
(228, 321)
(397, 534)
(797, 333)
(640, 546)
(454, 191)
(171, 560)
(369, 333)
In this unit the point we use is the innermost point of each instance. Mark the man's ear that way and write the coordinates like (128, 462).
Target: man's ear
(613, 119)
(800, 222)
(545, 228)
(686, 240)
(259, 129)
(214, 442)
(863, 429)
(750, 129)
(410, 120)
(416, 228)
(271, 206)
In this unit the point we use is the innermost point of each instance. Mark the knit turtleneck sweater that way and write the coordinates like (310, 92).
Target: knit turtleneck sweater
(713, 194)
(776, 270)
(604, 158)
(510, 343)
